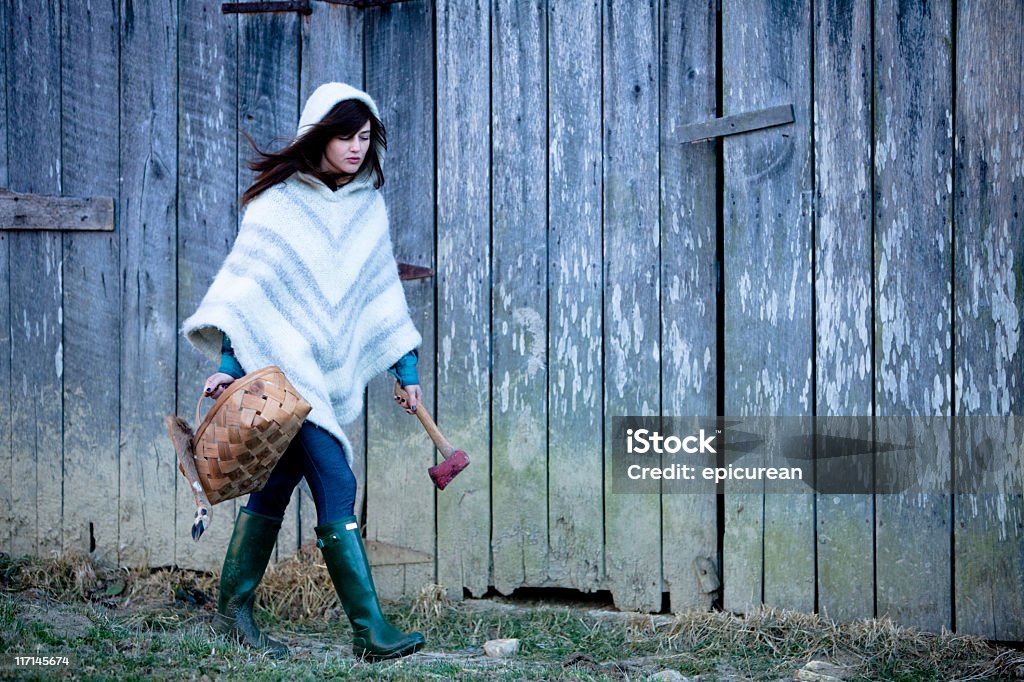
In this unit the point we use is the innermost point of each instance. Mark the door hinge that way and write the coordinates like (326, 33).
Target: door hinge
(300, 6)
(363, 4)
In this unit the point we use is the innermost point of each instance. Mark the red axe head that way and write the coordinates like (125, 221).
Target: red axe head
(443, 473)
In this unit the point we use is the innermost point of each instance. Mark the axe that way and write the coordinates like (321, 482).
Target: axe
(455, 460)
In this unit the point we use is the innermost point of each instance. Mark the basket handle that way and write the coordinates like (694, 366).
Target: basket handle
(202, 394)
(199, 406)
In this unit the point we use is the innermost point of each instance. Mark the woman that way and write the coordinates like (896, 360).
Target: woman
(311, 286)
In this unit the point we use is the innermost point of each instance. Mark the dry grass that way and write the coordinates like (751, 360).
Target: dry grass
(68, 578)
(759, 645)
(431, 602)
(298, 588)
(872, 644)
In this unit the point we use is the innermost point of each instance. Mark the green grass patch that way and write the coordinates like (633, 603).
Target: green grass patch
(157, 626)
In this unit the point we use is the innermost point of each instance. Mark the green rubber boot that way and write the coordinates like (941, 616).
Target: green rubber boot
(373, 637)
(244, 564)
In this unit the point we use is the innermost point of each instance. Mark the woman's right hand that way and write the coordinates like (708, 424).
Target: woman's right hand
(216, 383)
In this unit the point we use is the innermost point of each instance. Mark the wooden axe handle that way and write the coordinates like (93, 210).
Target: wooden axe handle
(443, 445)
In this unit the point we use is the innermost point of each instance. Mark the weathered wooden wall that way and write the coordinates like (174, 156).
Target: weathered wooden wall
(988, 290)
(865, 259)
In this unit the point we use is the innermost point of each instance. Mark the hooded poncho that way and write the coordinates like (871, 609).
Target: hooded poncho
(311, 285)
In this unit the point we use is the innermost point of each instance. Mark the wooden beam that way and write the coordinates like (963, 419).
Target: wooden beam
(737, 123)
(44, 212)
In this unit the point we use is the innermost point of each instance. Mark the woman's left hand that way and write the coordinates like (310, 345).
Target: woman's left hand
(408, 397)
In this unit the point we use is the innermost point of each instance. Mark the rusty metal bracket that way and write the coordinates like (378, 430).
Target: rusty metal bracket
(407, 272)
(363, 4)
(300, 6)
(737, 123)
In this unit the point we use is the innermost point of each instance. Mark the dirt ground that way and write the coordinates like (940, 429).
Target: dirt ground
(69, 619)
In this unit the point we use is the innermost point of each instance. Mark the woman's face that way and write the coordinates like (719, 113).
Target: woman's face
(344, 155)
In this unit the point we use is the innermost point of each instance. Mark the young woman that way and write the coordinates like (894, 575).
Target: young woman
(311, 285)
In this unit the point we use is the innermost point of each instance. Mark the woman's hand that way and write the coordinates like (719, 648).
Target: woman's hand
(216, 383)
(408, 397)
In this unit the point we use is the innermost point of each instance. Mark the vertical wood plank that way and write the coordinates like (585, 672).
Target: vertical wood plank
(36, 288)
(463, 278)
(401, 81)
(6, 387)
(91, 304)
(148, 248)
(332, 50)
(631, 288)
(333, 42)
(913, 281)
(688, 281)
(518, 302)
(5, 70)
(268, 82)
(575, 274)
(842, 150)
(767, 272)
(207, 210)
(989, 297)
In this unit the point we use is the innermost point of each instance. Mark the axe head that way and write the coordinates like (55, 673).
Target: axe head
(443, 473)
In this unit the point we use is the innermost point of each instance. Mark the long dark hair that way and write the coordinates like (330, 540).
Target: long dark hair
(306, 152)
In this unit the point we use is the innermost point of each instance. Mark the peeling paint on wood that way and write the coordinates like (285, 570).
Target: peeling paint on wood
(463, 294)
(399, 451)
(519, 462)
(207, 215)
(989, 296)
(767, 270)
(688, 297)
(632, 287)
(575, 364)
(843, 319)
(913, 153)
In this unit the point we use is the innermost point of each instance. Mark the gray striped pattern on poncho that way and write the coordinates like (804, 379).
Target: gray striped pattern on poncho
(311, 285)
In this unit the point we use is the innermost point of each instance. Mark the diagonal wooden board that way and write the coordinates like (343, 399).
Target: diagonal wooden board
(736, 123)
(385, 554)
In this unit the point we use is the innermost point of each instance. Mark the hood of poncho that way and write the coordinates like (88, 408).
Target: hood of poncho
(323, 99)
(311, 285)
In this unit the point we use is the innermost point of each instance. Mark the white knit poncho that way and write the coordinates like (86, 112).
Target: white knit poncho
(311, 285)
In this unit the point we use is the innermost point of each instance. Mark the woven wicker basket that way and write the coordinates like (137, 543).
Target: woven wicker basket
(246, 431)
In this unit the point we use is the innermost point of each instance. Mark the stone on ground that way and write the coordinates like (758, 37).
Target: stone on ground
(501, 648)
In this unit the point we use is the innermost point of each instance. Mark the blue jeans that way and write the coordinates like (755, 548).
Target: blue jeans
(317, 455)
